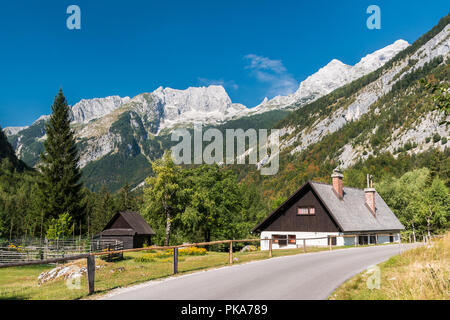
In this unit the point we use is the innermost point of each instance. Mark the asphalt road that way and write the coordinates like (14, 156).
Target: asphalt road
(305, 276)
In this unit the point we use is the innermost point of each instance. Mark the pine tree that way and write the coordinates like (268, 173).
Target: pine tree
(61, 186)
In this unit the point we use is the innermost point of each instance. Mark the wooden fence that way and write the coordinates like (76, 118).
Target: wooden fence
(16, 251)
(91, 256)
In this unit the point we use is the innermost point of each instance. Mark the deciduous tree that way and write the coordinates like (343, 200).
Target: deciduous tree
(163, 195)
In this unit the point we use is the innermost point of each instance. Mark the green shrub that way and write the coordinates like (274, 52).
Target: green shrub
(436, 138)
(408, 146)
(113, 257)
(144, 258)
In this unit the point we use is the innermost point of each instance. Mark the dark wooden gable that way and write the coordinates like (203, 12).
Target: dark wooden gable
(118, 222)
(285, 218)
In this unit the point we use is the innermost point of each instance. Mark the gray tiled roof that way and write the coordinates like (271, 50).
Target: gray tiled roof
(351, 213)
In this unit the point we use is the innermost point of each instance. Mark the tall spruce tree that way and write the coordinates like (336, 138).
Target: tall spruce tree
(61, 186)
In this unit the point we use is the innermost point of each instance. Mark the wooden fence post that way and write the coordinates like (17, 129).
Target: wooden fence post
(91, 272)
(304, 245)
(175, 260)
(270, 248)
(231, 252)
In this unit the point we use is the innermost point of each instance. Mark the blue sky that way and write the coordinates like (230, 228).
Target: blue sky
(129, 47)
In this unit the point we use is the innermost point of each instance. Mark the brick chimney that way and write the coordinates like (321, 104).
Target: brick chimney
(369, 193)
(338, 188)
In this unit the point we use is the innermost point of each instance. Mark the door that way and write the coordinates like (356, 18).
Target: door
(333, 241)
(363, 240)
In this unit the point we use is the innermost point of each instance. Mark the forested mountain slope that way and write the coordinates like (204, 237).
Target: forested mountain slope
(7, 152)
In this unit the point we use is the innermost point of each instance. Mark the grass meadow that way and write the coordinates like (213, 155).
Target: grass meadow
(422, 273)
(21, 282)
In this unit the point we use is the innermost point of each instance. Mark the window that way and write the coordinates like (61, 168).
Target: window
(292, 239)
(284, 240)
(304, 211)
(280, 239)
(275, 238)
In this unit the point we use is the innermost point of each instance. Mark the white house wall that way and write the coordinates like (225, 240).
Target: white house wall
(299, 235)
(340, 240)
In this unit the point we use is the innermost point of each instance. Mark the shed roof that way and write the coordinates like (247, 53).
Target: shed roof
(134, 220)
(349, 213)
(118, 232)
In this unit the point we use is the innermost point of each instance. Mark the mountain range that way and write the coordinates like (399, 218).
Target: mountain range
(170, 107)
(118, 136)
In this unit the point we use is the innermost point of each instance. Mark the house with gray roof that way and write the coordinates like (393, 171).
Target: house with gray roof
(337, 214)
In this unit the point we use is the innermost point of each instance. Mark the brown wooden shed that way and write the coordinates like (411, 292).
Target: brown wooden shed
(128, 227)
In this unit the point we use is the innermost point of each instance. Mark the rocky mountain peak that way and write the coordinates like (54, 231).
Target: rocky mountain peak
(201, 99)
(373, 61)
(89, 109)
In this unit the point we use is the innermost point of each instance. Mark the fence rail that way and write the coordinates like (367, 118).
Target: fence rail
(91, 255)
(20, 251)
